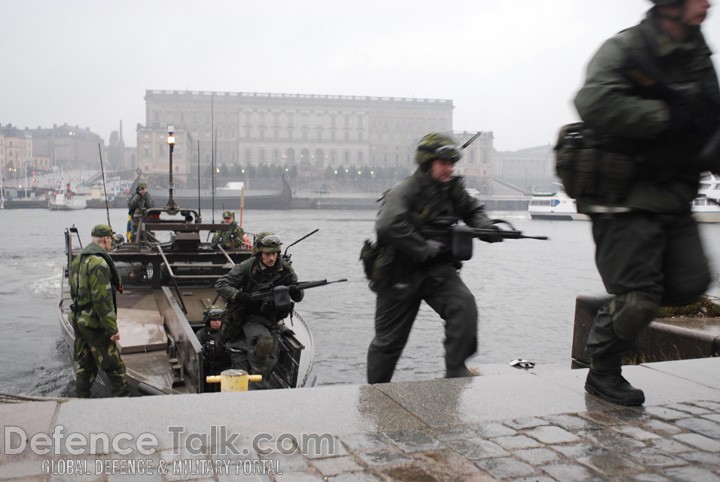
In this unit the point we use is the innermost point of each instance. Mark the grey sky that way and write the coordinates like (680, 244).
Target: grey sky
(511, 67)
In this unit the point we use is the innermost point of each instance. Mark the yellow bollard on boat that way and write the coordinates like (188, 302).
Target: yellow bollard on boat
(233, 380)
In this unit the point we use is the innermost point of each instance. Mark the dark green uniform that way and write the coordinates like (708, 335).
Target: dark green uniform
(648, 250)
(137, 206)
(93, 283)
(253, 326)
(232, 238)
(412, 277)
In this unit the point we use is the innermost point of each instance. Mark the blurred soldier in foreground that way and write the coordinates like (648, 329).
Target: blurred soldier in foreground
(137, 206)
(649, 96)
(416, 268)
(254, 326)
(232, 238)
(93, 284)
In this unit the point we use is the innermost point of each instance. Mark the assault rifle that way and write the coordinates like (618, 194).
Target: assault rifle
(279, 295)
(458, 238)
(266, 292)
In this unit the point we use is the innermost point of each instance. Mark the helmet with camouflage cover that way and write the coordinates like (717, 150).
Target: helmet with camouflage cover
(436, 146)
(266, 242)
(228, 214)
(212, 312)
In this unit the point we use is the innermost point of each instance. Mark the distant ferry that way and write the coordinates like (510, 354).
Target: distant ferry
(559, 206)
(554, 206)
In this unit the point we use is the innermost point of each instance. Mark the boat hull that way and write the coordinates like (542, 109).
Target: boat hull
(167, 288)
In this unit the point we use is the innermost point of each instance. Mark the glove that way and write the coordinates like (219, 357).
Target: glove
(492, 238)
(241, 298)
(433, 248)
(296, 294)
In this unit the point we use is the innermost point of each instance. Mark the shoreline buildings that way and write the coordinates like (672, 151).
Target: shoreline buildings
(307, 132)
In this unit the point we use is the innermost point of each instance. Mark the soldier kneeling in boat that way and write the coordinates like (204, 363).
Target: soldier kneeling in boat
(215, 357)
(255, 322)
(233, 237)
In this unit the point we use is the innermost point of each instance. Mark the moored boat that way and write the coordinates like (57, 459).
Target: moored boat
(559, 206)
(168, 283)
(65, 201)
(554, 206)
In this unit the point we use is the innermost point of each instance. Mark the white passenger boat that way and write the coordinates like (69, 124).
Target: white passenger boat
(65, 201)
(554, 206)
(559, 206)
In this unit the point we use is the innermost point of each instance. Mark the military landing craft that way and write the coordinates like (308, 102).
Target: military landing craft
(168, 276)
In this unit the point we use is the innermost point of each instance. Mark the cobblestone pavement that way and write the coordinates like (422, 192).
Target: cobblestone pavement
(509, 425)
(675, 442)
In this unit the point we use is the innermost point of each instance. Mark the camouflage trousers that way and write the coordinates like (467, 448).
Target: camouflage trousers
(94, 348)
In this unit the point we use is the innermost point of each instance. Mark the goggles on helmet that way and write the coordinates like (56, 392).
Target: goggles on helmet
(271, 241)
(448, 153)
(215, 313)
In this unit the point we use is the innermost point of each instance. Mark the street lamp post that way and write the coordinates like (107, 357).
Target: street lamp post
(171, 206)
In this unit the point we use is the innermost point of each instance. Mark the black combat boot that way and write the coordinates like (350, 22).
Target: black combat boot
(613, 387)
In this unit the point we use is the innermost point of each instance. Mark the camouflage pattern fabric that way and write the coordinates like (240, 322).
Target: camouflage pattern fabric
(94, 348)
(232, 238)
(93, 283)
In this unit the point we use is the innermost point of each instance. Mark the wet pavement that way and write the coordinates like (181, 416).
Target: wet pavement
(508, 424)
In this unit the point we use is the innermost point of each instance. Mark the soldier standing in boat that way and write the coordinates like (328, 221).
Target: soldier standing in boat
(649, 137)
(138, 206)
(253, 326)
(94, 282)
(232, 237)
(412, 268)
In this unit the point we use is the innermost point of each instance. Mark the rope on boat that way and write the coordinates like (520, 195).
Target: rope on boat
(10, 398)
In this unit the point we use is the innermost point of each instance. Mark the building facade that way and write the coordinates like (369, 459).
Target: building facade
(532, 169)
(16, 154)
(307, 132)
(66, 147)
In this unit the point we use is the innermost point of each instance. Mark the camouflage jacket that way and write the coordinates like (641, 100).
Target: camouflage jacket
(417, 201)
(232, 238)
(633, 122)
(248, 276)
(93, 283)
(139, 203)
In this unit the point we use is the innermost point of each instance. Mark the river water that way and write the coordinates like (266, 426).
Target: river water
(525, 290)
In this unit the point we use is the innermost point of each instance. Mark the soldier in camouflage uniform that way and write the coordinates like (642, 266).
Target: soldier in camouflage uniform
(253, 327)
(94, 282)
(232, 238)
(422, 269)
(215, 357)
(137, 206)
(648, 249)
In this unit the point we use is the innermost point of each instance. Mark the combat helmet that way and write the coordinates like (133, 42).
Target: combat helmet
(212, 312)
(266, 242)
(228, 214)
(141, 185)
(436, 146)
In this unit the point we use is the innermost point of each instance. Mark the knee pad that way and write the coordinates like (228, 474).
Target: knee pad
(263, 347)
(633, 311)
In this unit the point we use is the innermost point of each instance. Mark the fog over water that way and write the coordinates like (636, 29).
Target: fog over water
(525, 290)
